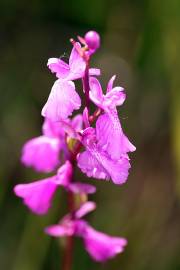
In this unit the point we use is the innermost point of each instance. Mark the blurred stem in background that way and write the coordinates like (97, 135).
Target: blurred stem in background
(171, 40)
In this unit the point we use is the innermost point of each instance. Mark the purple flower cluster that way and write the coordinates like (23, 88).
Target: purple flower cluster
(100, 151)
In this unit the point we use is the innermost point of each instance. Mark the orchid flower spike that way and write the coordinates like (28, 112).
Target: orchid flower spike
(95, 142)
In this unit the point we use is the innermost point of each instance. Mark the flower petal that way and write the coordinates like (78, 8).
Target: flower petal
(86, 117)
(60, 230)
(41, 153)
(101, 246)
(79, 187)
(117, 170)
(64, 174)
(59, 67)
(77, 122)
(110, 136)
(68, 128)
(110, 83)
(86, 208)
(90, 166)
(115, 97)
(96, 163)
(76, 63)
(37, 195)
(94, 72)
(62, 101)
(53, 129)
(95, 94)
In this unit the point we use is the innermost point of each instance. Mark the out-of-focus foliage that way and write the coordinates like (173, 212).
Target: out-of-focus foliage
(140, 43)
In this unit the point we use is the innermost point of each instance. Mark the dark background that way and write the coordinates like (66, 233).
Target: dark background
(141, 44)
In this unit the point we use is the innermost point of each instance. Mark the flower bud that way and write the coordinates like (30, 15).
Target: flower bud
(92, 39)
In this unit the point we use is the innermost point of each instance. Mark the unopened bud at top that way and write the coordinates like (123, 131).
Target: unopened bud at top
(92, 39)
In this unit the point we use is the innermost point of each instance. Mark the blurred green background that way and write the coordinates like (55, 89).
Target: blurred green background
(141, 44)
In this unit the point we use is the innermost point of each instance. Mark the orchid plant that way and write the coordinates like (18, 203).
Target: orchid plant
(94, 142)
